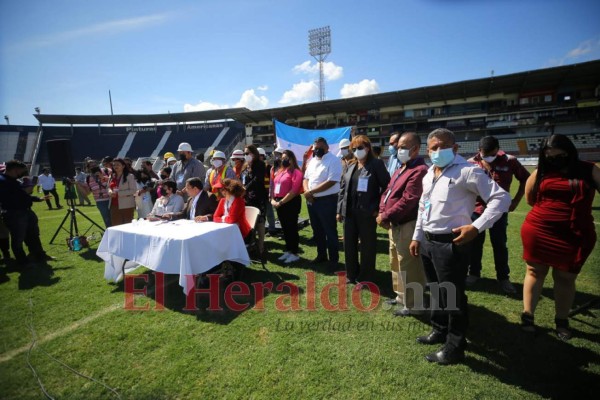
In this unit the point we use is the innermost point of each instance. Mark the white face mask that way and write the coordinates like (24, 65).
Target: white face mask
(344, 152)
(360, 154)
(248, 158)
(488, 159)
(217, 163)
(403, 156)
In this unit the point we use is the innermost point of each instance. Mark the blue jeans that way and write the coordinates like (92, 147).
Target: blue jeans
(498, 238)
(104, 212)
(270, 217)
(322, 219)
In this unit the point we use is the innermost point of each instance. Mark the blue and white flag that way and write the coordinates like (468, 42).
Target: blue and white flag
(298, 140)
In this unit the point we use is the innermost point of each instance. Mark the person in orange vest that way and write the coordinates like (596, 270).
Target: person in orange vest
(219, 171)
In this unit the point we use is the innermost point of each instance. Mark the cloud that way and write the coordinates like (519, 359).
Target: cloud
(248, 99)
(361, 88)
(104, 28)
(585, 47)
(301, 92)
(331, 71)
(263, 88)
(204, 106)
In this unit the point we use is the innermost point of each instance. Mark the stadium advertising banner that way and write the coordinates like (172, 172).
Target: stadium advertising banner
(298, 140)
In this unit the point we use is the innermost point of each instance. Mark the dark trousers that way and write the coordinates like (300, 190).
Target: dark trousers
(498, 238)
(446, 267)
(322, 219)
(360, 225)
(23, 228)
(288, 218)
(56, 199)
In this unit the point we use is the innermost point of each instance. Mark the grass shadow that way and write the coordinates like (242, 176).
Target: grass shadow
(39, 275)
(530, 362)
(209, 303)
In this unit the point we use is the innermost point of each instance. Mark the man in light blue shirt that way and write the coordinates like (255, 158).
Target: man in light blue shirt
(393, 162)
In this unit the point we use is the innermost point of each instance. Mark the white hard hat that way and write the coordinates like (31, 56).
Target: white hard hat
(171, 159)
(261, 151)
(184, 147)
(344, 143)
(279, 150)
(219, 154)
(237, 154)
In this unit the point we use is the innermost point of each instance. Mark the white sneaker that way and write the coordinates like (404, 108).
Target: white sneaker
(291, 259)
(284, 256)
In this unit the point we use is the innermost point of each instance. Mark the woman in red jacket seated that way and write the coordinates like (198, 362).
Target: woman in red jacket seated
(232, 207)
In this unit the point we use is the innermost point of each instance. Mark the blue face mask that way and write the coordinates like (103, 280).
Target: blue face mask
(393, 150)
(442, 157)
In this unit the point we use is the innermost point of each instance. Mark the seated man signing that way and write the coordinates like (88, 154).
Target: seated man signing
(200, 206)
(170, 202)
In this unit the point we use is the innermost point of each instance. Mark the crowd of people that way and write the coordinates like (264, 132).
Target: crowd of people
(435, 216)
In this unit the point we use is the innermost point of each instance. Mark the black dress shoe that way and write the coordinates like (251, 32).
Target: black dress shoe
(350, 281)
(433, 338)
(446, 356)
(391, 302)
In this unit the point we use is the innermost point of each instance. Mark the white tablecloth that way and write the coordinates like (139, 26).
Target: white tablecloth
(181, 247)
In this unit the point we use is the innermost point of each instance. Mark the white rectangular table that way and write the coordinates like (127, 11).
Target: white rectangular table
(181, 247)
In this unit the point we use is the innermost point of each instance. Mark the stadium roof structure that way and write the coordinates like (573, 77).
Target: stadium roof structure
(542, 79)
(567, 76)
(192, 116)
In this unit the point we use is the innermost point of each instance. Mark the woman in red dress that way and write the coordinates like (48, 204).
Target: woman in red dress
(232, 207)
(559, 230)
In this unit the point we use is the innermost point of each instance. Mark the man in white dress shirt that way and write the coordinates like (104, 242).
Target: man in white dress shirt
(442, 235)
(48, 184)
(321, 189)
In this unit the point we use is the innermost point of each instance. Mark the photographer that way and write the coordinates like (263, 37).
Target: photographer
(48, 184)
(20, 220)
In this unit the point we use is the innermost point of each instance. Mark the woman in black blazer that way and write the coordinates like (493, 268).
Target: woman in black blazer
(363, 182)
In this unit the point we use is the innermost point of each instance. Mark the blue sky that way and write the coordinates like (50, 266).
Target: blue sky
(173, 56)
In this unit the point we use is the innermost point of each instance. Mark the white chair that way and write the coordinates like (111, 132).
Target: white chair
(252, 214)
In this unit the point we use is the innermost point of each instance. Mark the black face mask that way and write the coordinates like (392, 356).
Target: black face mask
(555, 163)
(182, 157)
(163, 177)
(285, 163)
(319, 152)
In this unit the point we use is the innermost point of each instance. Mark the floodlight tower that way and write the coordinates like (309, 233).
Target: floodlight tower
(319, 46)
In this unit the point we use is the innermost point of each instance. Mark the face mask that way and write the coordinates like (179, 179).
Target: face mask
(163, 177)
(217, 163)
(344, 152)
(403, 156)
(319, 152)
(393, 150)
(182, 157)
(248, 158)
(442, 157)
(360, 154)
(285, 163)
(556, 163)
(488, 159)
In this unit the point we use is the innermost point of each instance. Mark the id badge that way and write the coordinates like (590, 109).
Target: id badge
(277, 188)
(180, 178)
(363, 183)
(426, 210)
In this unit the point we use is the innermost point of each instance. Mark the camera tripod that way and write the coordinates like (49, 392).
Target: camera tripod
(73, 228)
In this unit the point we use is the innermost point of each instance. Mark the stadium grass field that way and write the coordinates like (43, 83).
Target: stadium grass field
(79, 319)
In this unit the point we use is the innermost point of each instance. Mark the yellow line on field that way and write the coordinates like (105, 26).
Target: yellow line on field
(9, 355)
